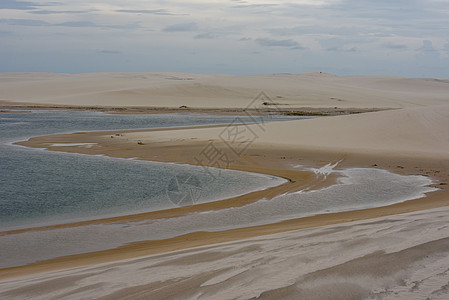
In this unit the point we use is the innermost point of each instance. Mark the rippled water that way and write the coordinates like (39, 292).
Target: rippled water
(40, 187)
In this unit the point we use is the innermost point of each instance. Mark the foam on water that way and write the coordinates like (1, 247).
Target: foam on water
(325, 170)
(87, 145)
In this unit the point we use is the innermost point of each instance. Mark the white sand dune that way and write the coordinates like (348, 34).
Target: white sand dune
(406, 132)
(222, 91)
(420, 129)
(411, 132)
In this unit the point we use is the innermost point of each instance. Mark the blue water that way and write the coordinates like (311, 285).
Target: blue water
(39, 187)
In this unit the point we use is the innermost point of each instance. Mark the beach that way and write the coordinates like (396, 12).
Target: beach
(398, 250)
(397, 257)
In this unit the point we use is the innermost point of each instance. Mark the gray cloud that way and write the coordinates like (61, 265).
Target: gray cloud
(22, 5)
(446, 48)
(24, 22)
(413, 18)
(252, 6)
(337, 49)
(5, 33)
(77, 24)
(50, 12)
(299, 48)
(276, 43)
(331, 30)
(317, 29)
(181, 27)
(91, 24)
(207, 35)
(344, 43)
(429, 57)
(427, 47)
(163, 12)
(395, 46)
(382, 9)
(37, 23)
(109, 52)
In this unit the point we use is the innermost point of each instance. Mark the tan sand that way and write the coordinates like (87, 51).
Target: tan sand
(171, 146)
(352, 263)
(398, 257)
(223, 91)
(412, 132)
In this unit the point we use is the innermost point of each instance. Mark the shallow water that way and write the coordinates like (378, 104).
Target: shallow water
(48, 187)
(357, 188)
(40, 187)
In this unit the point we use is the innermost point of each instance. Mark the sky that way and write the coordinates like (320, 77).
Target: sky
(344, 37)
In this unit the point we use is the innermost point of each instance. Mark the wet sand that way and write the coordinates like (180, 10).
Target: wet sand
(275, 160)
(403, 256)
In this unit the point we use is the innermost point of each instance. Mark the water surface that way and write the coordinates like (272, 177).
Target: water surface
(42, 187)
(39, 187)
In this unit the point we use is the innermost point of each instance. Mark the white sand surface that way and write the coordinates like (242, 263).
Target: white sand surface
(222, 91)
(410, 132)
(397, 257)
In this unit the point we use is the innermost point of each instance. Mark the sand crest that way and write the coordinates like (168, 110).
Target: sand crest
(221, 91)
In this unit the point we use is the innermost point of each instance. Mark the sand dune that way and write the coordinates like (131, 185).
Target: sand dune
(406, 132)
(411, 132)
(222, 91)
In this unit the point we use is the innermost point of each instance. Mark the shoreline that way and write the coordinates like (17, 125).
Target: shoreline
(392, 251)
(260, 159)
(24, 107)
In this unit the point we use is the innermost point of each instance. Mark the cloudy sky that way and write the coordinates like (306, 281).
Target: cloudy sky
(395, 37)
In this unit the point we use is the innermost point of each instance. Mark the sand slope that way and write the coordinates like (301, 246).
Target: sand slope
(218, 91)
(407, 132)
(411, 132)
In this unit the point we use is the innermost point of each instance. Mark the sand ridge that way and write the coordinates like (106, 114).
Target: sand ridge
(222, 91)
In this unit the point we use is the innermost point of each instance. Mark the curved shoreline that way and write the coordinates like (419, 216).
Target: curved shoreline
(261, 160)
(231, 201)
(196, 239)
